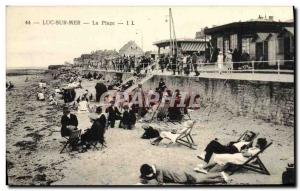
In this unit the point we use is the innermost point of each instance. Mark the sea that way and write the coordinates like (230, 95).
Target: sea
(19, 76)
(25, 71)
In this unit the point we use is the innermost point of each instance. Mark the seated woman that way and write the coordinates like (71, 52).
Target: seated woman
(40, 96)
(96, 132)
(233, 147)
(83, 105)
(52, 100)
(174, 134)
(219, 162)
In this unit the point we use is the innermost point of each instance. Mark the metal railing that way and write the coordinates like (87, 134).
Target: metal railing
(277, 66)
(271, 66)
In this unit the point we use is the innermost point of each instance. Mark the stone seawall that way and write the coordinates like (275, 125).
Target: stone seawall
(270, 101)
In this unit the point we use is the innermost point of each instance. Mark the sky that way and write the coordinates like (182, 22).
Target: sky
(40, 45)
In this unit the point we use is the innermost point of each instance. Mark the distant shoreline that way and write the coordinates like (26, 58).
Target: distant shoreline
(24, 71)
(26, 68)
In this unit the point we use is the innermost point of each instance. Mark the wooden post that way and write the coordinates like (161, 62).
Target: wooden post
(278, 66)
(252, 66)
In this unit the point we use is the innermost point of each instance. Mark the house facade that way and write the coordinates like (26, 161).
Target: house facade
(265, 40)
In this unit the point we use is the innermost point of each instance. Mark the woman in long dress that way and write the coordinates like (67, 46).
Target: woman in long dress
(220, 61)
(220, 162)
(229, 61)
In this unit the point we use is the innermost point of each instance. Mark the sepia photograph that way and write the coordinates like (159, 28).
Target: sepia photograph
(162, 96)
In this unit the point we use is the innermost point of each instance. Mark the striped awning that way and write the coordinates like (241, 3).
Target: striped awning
(193, 46)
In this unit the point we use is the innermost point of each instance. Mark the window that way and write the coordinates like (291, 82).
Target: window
(233, 41)
(226, 46)
(280, 46)
(220, 43)
(246, 45)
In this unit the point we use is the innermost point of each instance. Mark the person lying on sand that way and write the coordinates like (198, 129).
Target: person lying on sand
(174, 134)
(150, 132)
(155, 175)
(219, 162)
(233, 147)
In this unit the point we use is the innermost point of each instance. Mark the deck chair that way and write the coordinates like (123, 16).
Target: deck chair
(254, 163)
(185, 138)
(71, 140)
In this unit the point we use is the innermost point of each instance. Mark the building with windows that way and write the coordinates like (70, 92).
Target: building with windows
(262, 39)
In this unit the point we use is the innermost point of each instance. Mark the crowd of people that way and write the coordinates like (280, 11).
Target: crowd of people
(101, 119)
(129, 63)
(186, 63)
(216, 156)
(181, 63)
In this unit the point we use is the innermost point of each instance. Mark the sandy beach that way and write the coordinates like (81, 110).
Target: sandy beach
(33, 143)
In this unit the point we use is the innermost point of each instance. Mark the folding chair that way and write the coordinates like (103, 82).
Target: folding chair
(185, 138)
(71, 140)
(254, 163)
(98, 139)
(95, 143)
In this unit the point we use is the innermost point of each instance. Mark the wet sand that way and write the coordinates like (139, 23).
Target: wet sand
(34, 142)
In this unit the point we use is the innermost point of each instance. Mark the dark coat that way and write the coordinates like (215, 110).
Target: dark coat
(126, 118)
(113, 113)
(162, 86)
(150, 133)
(65, 121)
(132, 117)
(98, 129)
(100, 89)
(96, 132)
(69, 95)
